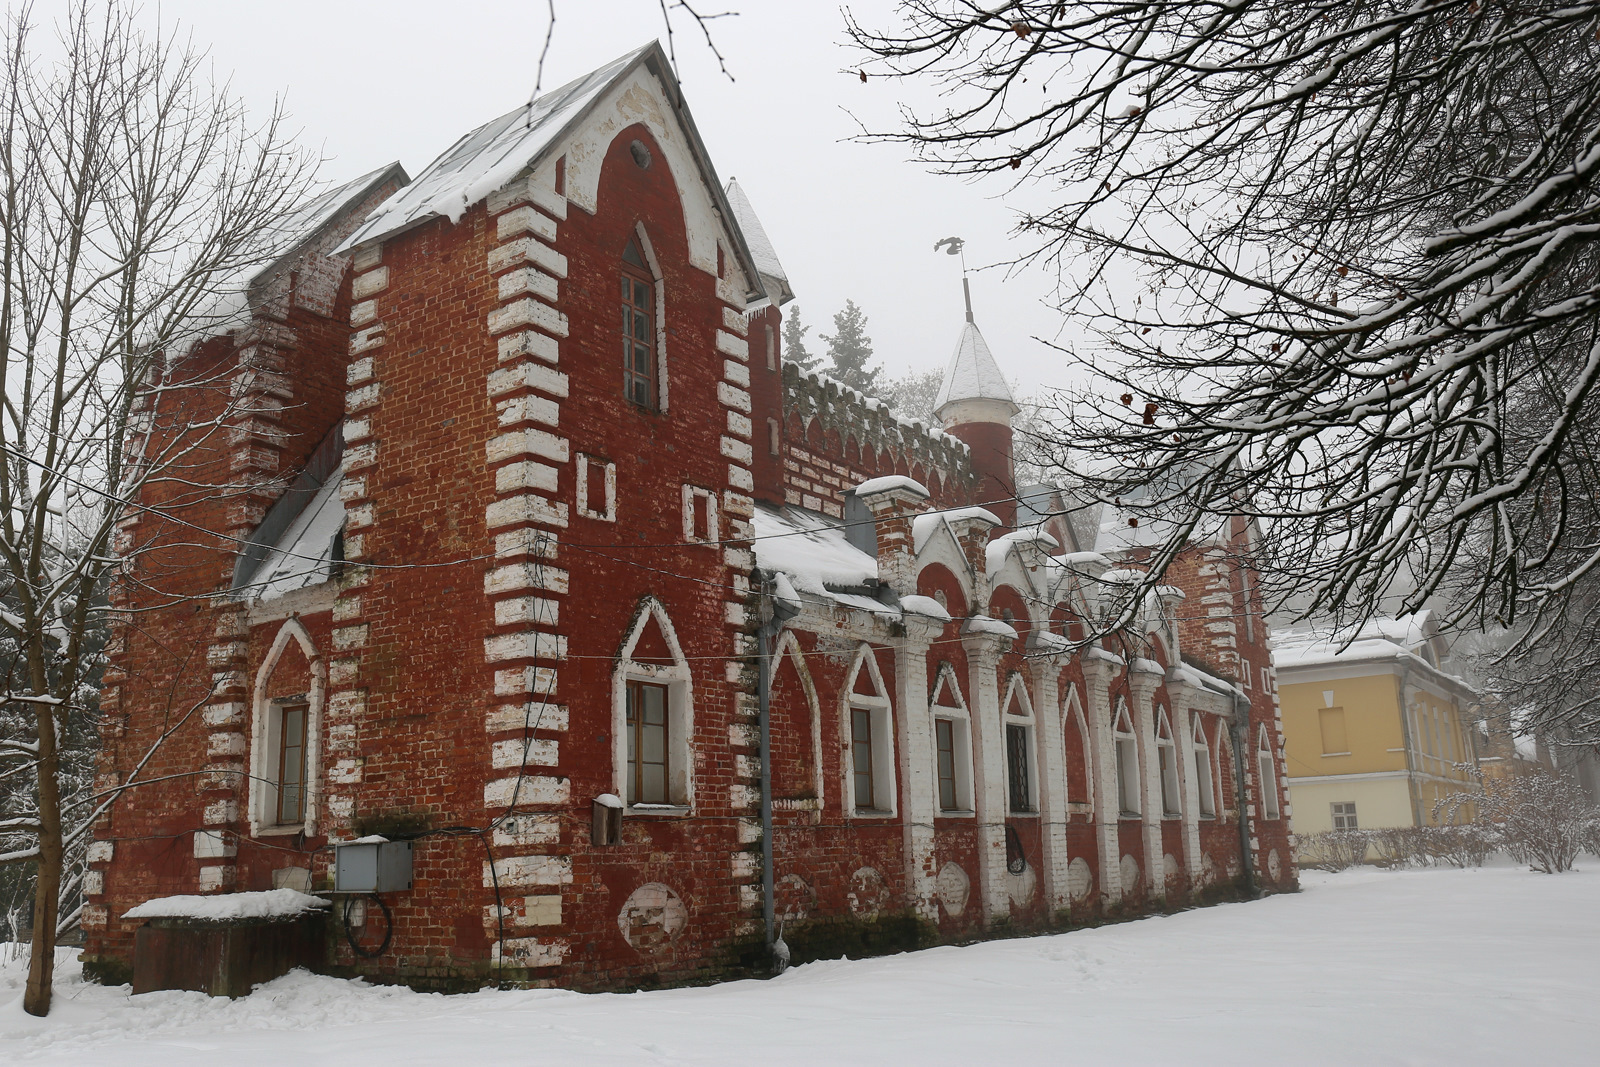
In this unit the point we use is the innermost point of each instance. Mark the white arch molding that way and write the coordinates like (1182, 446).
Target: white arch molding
(789, 645)
(263, 791)
(679, 683)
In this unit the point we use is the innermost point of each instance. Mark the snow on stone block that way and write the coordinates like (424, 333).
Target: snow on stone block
(890, 483)
(983, 624)
(230, 907)
(924, 605)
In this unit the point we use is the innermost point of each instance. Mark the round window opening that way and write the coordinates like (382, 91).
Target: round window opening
(641, 154)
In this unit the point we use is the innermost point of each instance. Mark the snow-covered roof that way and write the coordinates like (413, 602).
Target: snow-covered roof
(773, 277)
(221, 907)
(811, 549)
(491, 156)
(972, 373)
(995, 551)
(229, 308)
(923, 525)
(303, 555)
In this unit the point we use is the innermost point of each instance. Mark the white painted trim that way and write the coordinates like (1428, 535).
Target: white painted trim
(790, 644)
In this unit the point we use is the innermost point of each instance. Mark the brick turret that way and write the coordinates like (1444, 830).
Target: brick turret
(975, 404)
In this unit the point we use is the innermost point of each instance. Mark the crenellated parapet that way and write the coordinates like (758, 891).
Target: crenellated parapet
(839, 437)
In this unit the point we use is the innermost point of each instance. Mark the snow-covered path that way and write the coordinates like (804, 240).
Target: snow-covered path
(1369, 967)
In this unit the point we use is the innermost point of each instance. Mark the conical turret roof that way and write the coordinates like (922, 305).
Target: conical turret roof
(972, 373)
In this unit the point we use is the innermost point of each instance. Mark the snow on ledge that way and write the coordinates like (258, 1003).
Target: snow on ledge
(924, 605)
(983, 624)
(267, 904)
(889, 482)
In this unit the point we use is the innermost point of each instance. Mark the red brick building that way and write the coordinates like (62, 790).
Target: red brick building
(514, 579)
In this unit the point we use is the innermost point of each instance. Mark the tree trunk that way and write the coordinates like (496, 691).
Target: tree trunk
(42, 964)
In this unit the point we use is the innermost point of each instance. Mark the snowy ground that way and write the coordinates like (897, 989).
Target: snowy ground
(1369, 967)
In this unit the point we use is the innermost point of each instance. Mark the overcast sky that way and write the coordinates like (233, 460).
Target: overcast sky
(374, 82)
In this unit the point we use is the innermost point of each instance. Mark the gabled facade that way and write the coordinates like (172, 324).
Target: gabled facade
(1379, 731)
(542, 456)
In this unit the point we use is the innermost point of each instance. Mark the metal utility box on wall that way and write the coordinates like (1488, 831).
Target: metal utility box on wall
(372, 867)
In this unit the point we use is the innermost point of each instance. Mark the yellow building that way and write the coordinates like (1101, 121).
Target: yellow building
(1376, 730)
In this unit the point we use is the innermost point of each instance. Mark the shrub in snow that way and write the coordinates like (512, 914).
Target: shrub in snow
(1333, 850)
(1544, 820)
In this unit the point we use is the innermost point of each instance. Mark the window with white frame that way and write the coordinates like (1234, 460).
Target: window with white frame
(1022, 794)
(1202, 771)
(1266, 679)
(1167, 765)
(952, 744)
(290, 727)
(1344, 815)
(772, 348)
(596, 488)
(285, 754)
(652, 716)
(869, 731)
(700, 522)
(1127, 751)
(1268, 775)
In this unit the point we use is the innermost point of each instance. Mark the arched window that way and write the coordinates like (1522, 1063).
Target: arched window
(869, 783)
(286, 735)
(952, 744)
(1202, 771)
(1269, 776)
(638, 329)
(1080, 767)
(1022, 776)
(652, 715)
(1167, 764)
(1127, 746)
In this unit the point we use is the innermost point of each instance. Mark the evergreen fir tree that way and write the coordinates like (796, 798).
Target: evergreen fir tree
(850, 348)
(794, 340)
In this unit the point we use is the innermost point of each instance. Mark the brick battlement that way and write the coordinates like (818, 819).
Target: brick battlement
(836, 438)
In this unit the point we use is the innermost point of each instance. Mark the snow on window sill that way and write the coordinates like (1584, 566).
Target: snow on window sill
(280, 831)
(1325, 755)
(957, 813)
(872, 813)
(658, 809)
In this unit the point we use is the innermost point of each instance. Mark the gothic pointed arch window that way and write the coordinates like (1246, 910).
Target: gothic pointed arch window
(870, 779)
(1076, 733)
(952, 743)
(1202, 771)
(1268, 776)
(653, 715)
(1167, 764)
(1022, 775)
(1127, 752)
(639, 318)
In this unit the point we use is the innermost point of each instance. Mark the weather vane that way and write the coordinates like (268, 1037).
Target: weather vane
(956, 246)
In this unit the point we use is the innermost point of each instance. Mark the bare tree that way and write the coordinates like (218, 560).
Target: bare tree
(135, 196)
(1364, 236)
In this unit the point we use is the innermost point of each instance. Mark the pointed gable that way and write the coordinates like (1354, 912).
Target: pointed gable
(578, 120)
